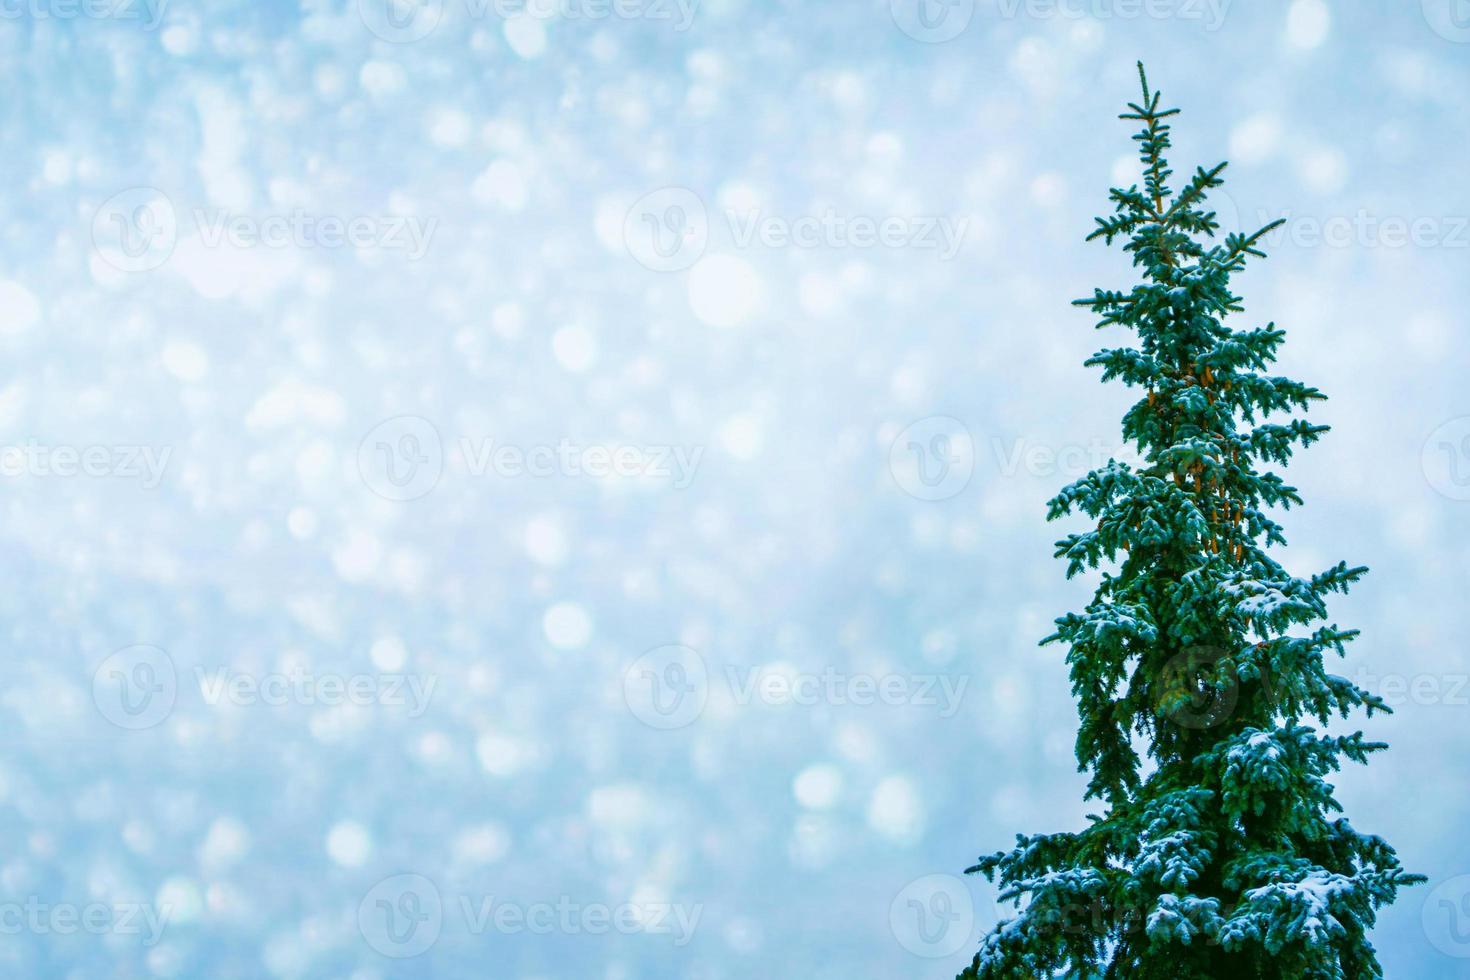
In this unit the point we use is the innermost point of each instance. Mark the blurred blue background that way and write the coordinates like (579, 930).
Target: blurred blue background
(560, 492)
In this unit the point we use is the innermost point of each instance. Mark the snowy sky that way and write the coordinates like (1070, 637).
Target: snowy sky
(560, 492)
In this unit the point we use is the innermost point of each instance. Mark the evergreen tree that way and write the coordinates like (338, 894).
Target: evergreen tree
(1219, 855)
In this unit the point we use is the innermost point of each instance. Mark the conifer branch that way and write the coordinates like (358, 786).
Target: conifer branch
(1217, 857)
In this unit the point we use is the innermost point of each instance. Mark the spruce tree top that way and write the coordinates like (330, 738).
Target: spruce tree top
(1218, 855)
